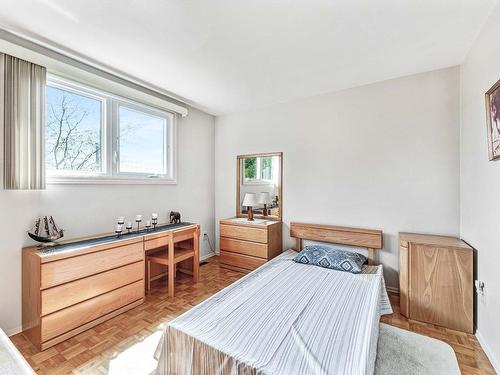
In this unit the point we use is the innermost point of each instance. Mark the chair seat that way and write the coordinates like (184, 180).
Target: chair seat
(161, 257)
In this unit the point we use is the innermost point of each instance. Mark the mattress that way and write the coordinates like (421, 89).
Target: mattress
(283, 318)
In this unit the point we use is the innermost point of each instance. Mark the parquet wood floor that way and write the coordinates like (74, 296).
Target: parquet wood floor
(125, 344)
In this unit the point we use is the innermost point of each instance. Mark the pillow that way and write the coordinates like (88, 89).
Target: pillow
(335, 259)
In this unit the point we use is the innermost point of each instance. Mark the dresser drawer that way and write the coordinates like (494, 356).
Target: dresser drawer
(244, 247)
(74, 292)
(69, 269)
(72, 317)
(241, 261)
(243, 233)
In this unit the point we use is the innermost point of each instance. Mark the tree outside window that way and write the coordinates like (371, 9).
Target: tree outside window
(258, 169)
(73, 134)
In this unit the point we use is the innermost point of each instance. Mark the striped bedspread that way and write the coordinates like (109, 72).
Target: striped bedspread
(283, 318)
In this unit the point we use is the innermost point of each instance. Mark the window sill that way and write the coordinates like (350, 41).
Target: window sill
(109, 181)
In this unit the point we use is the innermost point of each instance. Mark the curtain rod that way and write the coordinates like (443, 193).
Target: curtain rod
(76, 60)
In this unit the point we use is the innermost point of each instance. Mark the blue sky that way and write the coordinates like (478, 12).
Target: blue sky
(141, 150)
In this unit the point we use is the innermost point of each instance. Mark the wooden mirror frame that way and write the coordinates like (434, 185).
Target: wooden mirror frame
(280, 185)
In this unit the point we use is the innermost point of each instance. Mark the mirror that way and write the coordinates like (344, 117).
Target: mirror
(258, 186)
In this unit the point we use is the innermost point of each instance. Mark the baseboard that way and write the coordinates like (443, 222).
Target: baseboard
(206, 256)
(488, 351)
(14, 331)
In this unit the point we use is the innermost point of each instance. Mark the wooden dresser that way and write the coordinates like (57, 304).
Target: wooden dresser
(246, 245)
(436, 280)
(72, 287)
(68, 292)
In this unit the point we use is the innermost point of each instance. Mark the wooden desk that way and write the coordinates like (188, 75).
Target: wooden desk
(71, 287)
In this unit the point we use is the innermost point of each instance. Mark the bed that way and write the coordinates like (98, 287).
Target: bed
(285, 317)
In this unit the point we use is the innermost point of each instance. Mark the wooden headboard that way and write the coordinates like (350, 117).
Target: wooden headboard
(369, 238)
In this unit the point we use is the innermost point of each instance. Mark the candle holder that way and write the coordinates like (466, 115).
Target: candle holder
(138, 219)
(154, 219)
(147, 226)
(129, 227)
(118, 231)
(121, 220)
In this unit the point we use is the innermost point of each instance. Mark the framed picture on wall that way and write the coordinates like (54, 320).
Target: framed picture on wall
(493, 120)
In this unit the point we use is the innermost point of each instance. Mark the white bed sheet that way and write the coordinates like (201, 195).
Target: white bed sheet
(283, 318)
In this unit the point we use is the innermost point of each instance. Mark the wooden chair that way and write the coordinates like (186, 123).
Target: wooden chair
(174, 250)
(162, 257)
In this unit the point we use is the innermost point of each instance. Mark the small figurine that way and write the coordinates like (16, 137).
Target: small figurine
(46, 230)
(175, 217)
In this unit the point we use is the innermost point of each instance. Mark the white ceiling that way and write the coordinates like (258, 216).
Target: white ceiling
(231, 55)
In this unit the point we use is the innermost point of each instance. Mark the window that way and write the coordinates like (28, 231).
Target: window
(258, 170)
(143, 142)
(92, 135)
(74, 132)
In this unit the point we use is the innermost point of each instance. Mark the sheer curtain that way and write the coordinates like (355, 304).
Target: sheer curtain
(24, 123)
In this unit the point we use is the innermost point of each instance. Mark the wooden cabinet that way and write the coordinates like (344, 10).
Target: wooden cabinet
(65, 293)
(246, 245)
(436, 280)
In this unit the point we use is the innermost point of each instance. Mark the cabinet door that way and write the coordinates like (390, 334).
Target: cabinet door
(441, 286)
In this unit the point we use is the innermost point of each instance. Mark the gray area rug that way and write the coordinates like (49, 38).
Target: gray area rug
(401, 352)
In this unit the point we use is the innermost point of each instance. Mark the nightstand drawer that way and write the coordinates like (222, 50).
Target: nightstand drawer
(243, 233)
(244, 247)
(241, 261)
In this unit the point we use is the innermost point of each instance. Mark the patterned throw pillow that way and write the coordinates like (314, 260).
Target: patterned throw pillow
(334, 259)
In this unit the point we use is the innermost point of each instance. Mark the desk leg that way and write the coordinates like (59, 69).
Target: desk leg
(196, 259)
(171, 267)
(149, 275)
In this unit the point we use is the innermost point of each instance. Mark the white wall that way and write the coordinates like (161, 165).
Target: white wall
(383, 156)
(480, 181)
(91, 209)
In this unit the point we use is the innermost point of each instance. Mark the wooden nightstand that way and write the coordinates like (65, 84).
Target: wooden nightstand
(246, 245)
(436, 280)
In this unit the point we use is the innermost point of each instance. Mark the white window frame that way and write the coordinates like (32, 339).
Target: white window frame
(110, 139)
(134, 106)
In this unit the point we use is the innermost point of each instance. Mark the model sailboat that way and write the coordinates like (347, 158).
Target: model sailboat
(46, 230)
